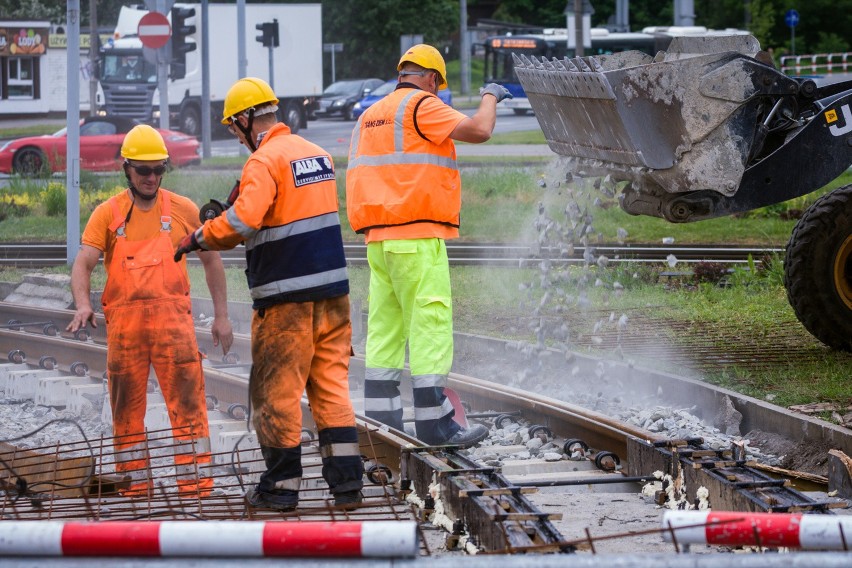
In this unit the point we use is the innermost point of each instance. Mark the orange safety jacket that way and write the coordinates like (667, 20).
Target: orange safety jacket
(396, 176)
(287, 214)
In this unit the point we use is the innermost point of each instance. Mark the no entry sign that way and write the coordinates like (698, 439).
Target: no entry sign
(154, 30)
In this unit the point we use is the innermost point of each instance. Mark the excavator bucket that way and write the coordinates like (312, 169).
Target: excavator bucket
(689, 119)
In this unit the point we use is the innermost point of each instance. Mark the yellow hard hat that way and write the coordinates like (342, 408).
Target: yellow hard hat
(143, 142)
(426, 57)
(246, 93)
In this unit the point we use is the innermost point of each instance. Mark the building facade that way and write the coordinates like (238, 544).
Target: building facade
(34, 70)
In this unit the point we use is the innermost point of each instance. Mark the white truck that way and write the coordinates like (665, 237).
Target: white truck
(297, 64)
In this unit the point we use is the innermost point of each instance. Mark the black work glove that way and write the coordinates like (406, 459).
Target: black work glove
(188, 244)
(499, 91)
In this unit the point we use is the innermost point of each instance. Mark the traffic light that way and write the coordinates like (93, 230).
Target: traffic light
(269, 37)
(180, 46)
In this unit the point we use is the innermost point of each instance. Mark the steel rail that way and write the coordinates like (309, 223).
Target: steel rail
(25, 255)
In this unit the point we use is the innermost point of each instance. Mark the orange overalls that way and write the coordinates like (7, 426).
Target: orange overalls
(149, 321)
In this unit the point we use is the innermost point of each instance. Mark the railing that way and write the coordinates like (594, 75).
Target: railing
(817, 64)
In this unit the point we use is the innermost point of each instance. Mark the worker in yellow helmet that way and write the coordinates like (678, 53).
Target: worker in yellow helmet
(403, 192)
(148, 312)
(286, 213)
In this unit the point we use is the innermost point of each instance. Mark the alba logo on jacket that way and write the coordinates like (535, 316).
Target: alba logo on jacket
(312, 170)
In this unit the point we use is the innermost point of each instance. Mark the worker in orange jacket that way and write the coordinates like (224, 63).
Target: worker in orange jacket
(286, 213)
(403, 192)
(148, 312)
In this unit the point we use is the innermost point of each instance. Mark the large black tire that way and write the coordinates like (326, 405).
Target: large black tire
(29, 161)
(293, 117)
(818, 269)
(190, 120)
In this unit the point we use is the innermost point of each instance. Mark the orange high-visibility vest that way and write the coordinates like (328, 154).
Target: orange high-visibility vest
(396, 177)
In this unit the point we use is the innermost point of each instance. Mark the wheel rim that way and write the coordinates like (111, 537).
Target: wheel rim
(29, 163)
(843, 272)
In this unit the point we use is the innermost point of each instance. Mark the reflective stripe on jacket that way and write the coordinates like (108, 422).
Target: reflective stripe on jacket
(396, 176)
(286, 213)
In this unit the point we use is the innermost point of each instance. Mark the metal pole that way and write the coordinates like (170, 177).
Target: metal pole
(163, 77)
(271, 69)
(793, 40)
(578, 28)
(242, 60)
(206, 151)
(93, 57)
(465, 50)
(72, 120)
(332, 64)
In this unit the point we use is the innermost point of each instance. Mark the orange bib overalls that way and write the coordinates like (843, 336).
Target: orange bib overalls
(148, 312)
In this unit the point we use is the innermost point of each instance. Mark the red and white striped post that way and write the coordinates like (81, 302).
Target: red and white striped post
(771, 530)
(396, 539)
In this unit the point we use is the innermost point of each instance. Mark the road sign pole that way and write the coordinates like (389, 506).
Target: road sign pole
(791, 18)
(163, 78)
(271, 69)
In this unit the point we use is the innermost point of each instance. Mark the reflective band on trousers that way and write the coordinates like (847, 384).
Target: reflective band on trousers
(340, 449)
(424, 381)
(433, 412)
(198, 445)
(291, 484)
(376, 374)
(382, 404)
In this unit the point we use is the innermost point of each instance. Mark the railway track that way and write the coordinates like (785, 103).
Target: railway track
(492, 506)
(477, 254)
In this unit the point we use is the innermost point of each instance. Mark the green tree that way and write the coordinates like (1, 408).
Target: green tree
(370, 31)
(56, 11)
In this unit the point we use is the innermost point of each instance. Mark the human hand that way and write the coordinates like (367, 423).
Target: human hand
(498, 91)
(82, 316)
(188, 244)
(223, 333)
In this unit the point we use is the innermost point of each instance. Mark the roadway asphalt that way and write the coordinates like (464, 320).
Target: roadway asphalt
(333, 135)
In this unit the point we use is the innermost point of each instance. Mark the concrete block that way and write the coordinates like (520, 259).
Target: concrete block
(83, 396)
(21, 385)
(6, 368)
(56, 391)
(250, 457)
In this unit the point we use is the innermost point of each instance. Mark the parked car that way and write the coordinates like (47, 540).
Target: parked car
(100, 148)
(386, 89)
(338, 98)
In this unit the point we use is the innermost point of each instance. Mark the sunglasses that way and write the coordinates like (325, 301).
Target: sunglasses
(145, 171)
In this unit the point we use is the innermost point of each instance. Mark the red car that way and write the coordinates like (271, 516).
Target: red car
(100, 148)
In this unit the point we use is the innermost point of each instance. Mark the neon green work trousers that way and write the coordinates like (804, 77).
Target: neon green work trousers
(410, 302)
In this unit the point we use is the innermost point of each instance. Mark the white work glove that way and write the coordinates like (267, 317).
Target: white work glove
(499, 91)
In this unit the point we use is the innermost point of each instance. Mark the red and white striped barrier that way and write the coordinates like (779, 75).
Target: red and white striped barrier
(772, 530)
(396, 539)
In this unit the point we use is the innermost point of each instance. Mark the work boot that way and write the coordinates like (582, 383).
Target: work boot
(284, 502)
(467, 437)
(348, 500)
